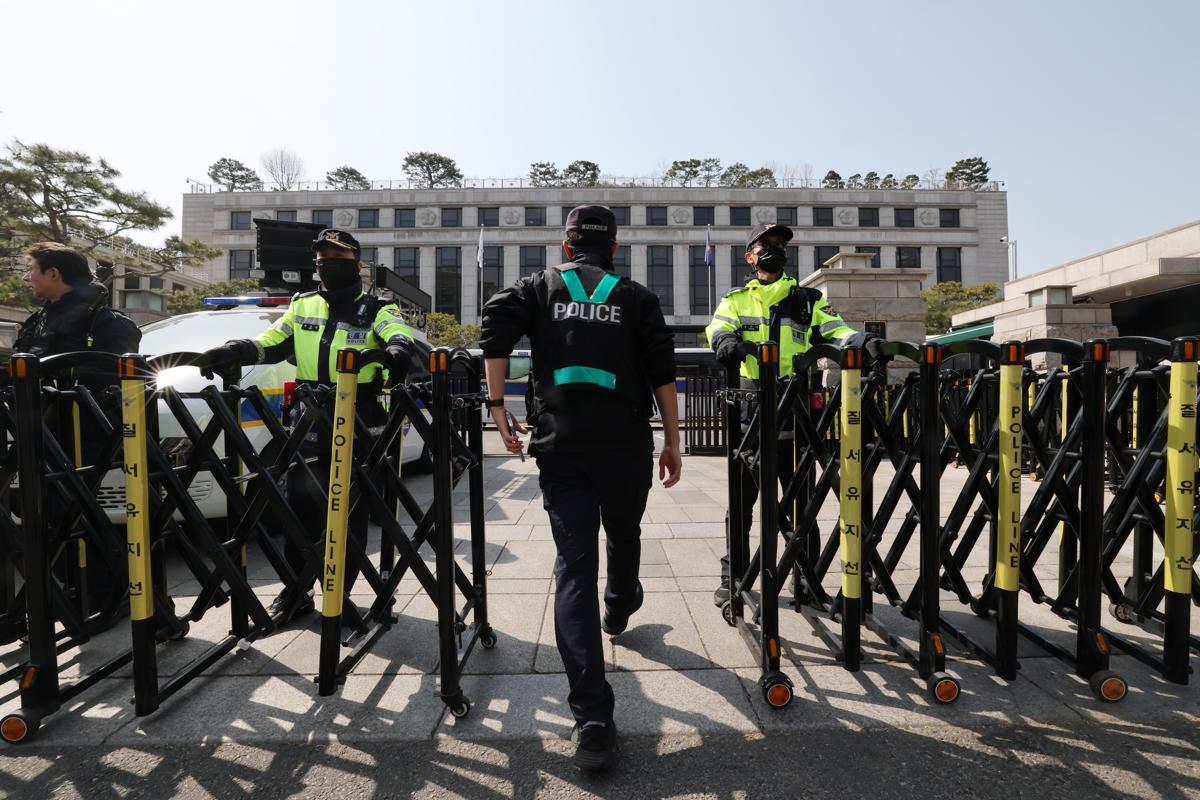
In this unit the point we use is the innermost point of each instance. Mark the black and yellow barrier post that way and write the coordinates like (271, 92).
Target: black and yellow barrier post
(333, 575)
(850, 506)
(1146, 410)
(1180, 489)
(135, 465)
(39, 674)
(1068, 543)
(736, 540)
(1007, 568)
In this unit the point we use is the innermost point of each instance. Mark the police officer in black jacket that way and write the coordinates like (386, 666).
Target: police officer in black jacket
(76, 316)
(602, 355)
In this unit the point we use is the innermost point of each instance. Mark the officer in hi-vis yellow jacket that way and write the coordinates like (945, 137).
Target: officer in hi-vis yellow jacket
(770, 307)
(315, 326)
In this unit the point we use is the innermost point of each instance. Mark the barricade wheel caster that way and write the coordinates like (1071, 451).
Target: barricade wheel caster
(727, 614)
(460, 708)
(16, 728)
(1123, 612)
(943, 688)
(487, 640)
(777, 690)
(1108, 686)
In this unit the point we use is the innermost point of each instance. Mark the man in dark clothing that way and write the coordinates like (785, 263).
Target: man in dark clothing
(76, 316)
(602, 355)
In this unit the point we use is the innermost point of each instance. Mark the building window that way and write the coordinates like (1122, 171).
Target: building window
(873, 250)
(240, 263)
(239, 220)
(535, 216)
(703, 215)
(406, 262)
(448, 281)
(285, 216)
(949, 264)
(368, 218)
(785, 215)
(451, 217)
(369, 255)
(621, 213)
(868, 218)
(156, 283)
(904, 218)
(621, 261)
(823, 217)
(739, 270)
(489, 217)
(493, 270)
(406, 218)
(876, 327)
(822, 253)
(533, 259)
(1054, 295)
(908, 257)
(177, 287)
(699, 278)
(793, 258)
(133, 282)
(322, 216)
(739, 215)
(659, 277)
(566, 211)
(656, 215)
(948, 217)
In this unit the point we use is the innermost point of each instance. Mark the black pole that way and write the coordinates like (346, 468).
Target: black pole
(932, 653)
(1091, 649)
(768, 508)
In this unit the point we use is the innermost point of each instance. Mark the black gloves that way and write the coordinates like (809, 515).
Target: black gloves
(861, 339)
(399, 361)
(732, 351)
(222, 360)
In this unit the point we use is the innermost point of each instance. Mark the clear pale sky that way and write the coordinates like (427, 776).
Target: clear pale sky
(1087, 110)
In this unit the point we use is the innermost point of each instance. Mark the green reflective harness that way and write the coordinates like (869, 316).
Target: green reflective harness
(592, 375)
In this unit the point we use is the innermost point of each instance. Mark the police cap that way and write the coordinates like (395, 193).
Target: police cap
(768, 228)
(593, 222)
(337, 238)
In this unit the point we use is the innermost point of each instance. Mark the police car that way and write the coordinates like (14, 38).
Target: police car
(231, 318)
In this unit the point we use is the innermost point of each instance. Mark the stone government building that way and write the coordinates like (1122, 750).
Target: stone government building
(430, 236)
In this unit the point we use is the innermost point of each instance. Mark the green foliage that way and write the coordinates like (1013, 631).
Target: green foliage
(970, 172)
(544, 173)
(15, 292)
(581, 174)
(62, 195)
(833, 181)
(432, 170)
(683, 172)
(871, 180)
(188, 300)
(740, 176)
(950, 297)
(910, 182)
(888, 182)
(347, 178)
(444, 330)
(234, 176)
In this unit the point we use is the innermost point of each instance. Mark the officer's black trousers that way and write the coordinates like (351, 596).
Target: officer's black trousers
(750, 495)
(310, 500)
(580, 491)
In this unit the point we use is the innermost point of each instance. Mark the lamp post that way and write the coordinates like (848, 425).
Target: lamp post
(1012, 245)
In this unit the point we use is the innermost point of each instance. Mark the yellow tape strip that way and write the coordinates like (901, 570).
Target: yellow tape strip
(333, 578)
(137, 497)
(1008, 516)
(850, 479)
(1181, 475)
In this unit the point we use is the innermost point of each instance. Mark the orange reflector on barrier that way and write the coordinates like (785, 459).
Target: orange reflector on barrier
(946, 691)
(28, 678)
(16, 368)
(347, 360)
(1101, 643)
(938, 647)
(854, 358)
(773, 647)
(14, 729)
(779, 695)
(1113, 689)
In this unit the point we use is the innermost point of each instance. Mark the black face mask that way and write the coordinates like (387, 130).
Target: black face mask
(335, 277)
(772, 259)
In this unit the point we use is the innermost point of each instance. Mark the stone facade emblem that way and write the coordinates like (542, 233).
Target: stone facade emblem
(512, 216)
(343, 219)
(428, 217)
(846, 216)
(764, 215)
(681, 215)
(928, 217)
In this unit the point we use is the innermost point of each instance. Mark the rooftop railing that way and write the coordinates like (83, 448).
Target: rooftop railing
(605, 182)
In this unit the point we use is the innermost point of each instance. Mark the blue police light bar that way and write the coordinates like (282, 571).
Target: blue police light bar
(247, 300)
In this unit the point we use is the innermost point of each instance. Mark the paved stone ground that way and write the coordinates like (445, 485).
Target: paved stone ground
(692, 718)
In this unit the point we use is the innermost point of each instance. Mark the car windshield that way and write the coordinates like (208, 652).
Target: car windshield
(196, 333)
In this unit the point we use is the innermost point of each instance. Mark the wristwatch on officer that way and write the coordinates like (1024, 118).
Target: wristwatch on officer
(496, 403)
